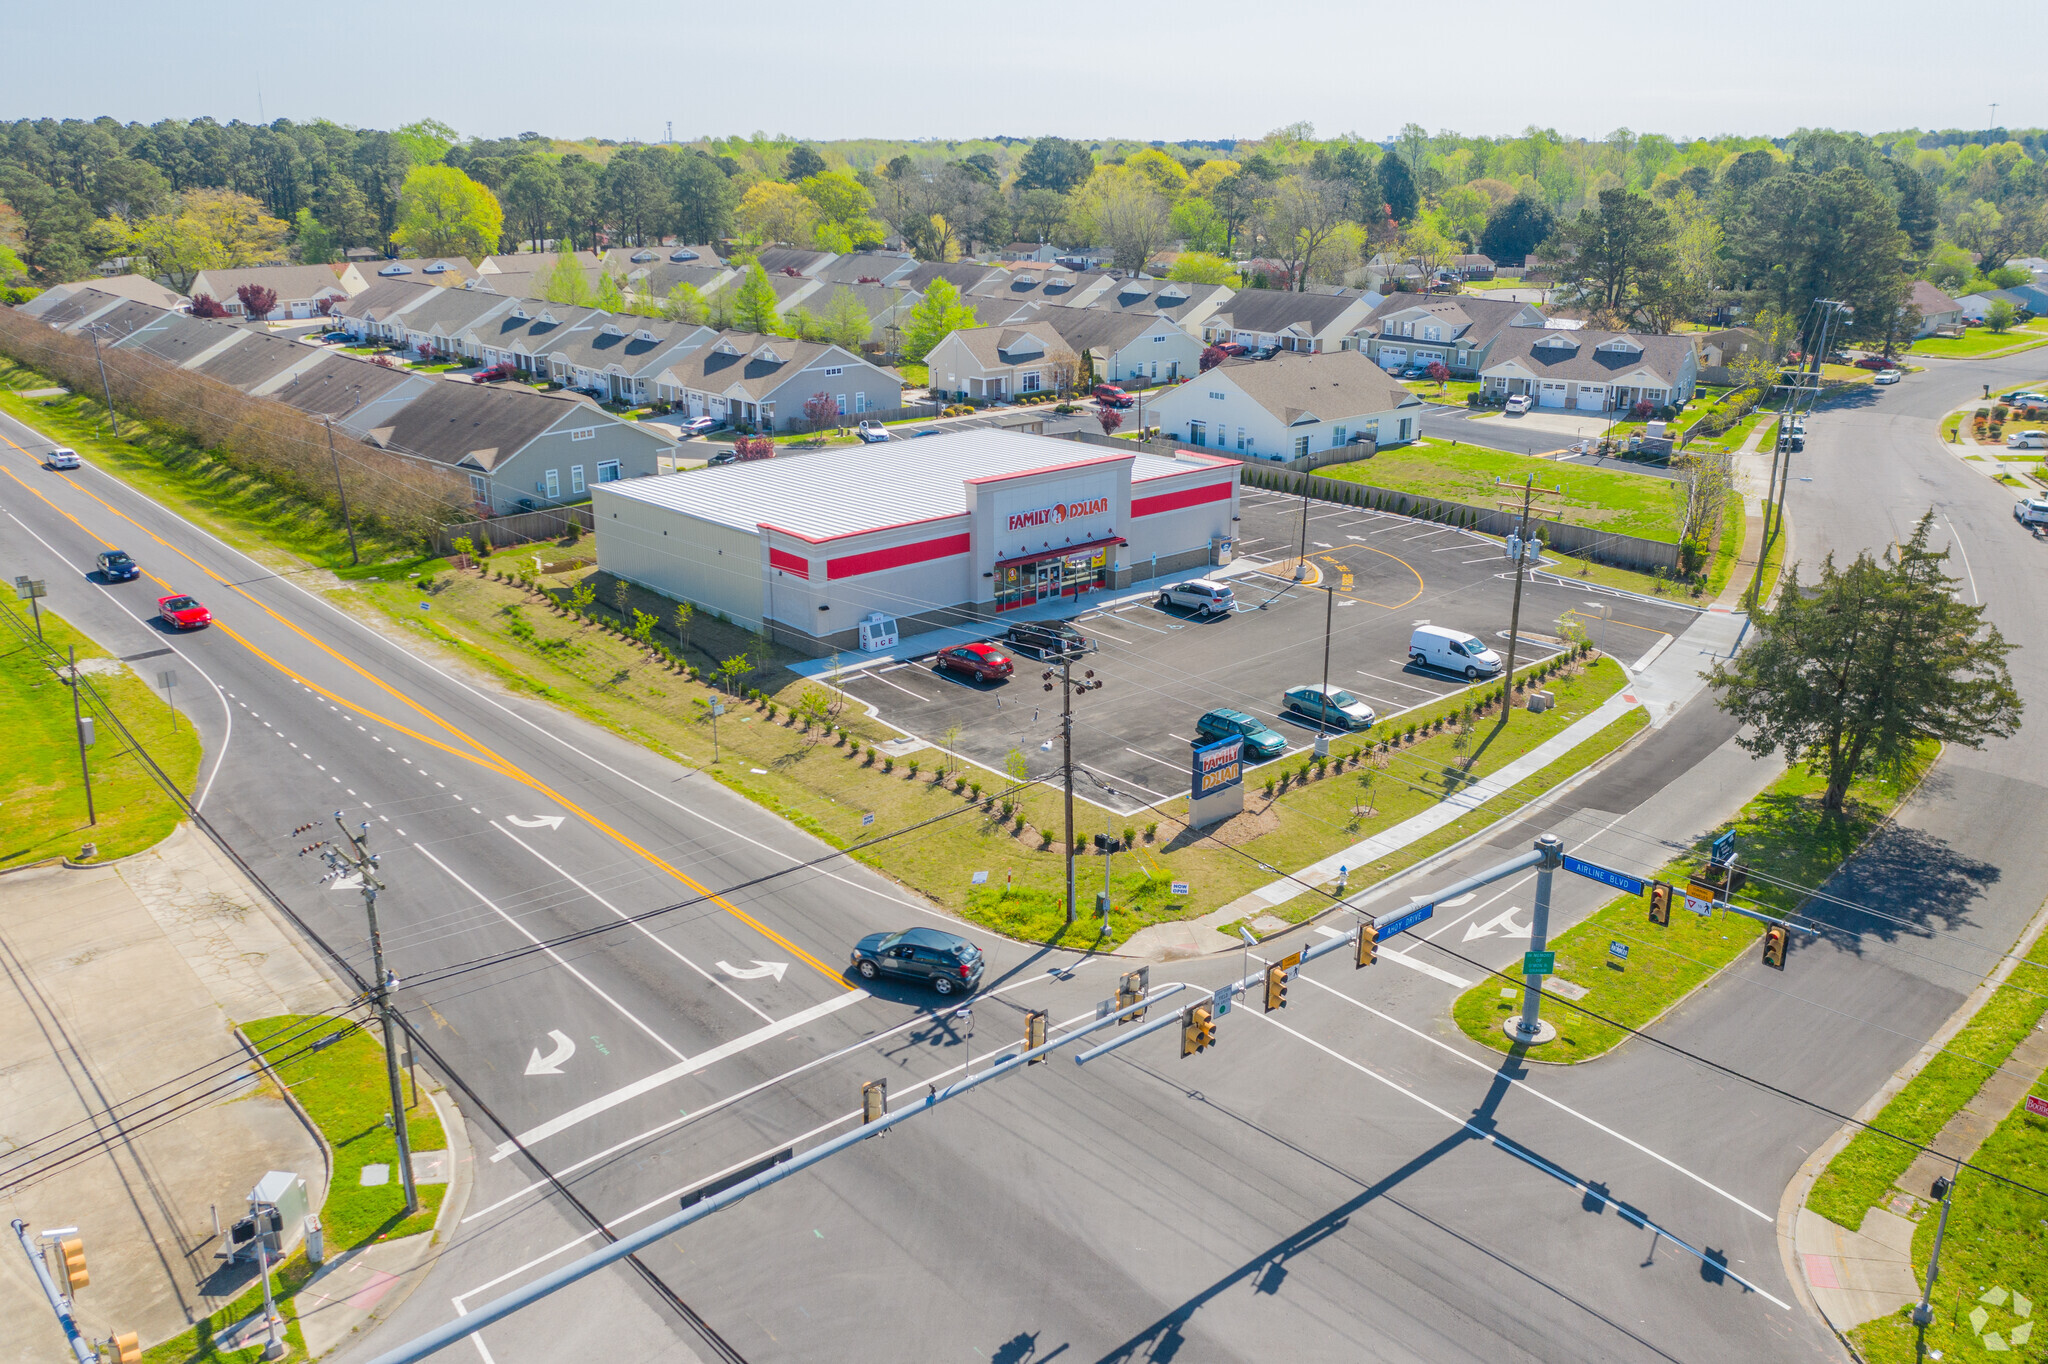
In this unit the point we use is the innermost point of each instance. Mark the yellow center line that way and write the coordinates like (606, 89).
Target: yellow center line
(490, 760)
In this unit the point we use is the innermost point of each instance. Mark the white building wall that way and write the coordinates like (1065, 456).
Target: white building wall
(714, 567)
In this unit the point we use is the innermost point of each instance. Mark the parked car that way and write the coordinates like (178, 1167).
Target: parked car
(948, 963)
(1796, 441)
(1329, 707)
(1885, 376)
(116, 567)
(181, 612)
(63, 457)
(697, 426)
(982, 661)
(497, 373)
(1260, 740)
(2027, 440)
(1047, 638)
(2031, 511)
(723, 457)
(1233, 348)
(1453, 651)
(1109, 395)
(1876, 362)
(871, 433)
(336, 337)
(1265, 352)
(2025, 395)
(1415, 372)
(1518, 403)
(1201, 595)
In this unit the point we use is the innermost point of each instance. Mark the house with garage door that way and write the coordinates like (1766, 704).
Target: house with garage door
(1591, 371)
(762, 382)
(1457, 329)
(1288, 407)
(1261, 319)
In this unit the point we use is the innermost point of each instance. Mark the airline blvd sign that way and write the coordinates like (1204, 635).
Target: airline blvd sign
(1058, 514)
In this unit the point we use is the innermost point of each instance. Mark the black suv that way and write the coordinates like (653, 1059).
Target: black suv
(1047, 638)
(946, 962)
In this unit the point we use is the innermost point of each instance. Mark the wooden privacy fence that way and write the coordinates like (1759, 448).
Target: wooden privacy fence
(1624, 551)
(519, 528)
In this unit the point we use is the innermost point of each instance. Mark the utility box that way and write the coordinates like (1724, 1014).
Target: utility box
(283, 1194)
(316, 1242)
(1219, 549)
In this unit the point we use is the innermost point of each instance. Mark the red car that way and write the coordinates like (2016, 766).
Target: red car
(1233, 348)
(181, 612)
(1109, 395)
(1876, 362)
(495, 374)
(983, 661)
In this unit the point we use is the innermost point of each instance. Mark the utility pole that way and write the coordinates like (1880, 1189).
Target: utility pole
(1805, 383)
(1301, 557)
(341, 492)
(105, 392)
(1521, 549)
(1322, 716)
(78, 723)
(360, 861)
(1066, 684)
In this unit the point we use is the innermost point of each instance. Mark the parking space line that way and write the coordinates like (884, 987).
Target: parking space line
(870, 677)
(1394, 681)
(1104, 772)
(1484, 559)
(1161, 761)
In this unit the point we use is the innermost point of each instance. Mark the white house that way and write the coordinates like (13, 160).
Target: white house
(1289, 406)
(1591, 371)
(1938, 311)
(302, 290)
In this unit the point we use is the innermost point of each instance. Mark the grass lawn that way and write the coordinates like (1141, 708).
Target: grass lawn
(1454, 392)
(1994, 1258)
(1980, 341)
(1783, 833)
(44, 800)
(344, 1091)
(1612, 500)
(1862, 1173)
(249, 512)
(916, 373)
(825, 784)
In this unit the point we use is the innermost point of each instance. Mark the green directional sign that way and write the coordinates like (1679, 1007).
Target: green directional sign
(1538, 963)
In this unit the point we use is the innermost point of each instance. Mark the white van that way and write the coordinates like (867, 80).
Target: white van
(1452, 651)
(2027, 440)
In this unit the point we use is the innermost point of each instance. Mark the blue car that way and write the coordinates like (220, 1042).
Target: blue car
(116, 567)
(1259, 740)
(931, 956)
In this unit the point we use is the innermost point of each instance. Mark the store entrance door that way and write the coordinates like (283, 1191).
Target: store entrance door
(1048, 578)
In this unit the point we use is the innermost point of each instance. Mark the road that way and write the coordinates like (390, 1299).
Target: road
(1341, 1178)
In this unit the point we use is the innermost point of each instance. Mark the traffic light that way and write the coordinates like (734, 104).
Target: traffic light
(1660, 904)
(1198, 1029)
(874, 1101)
(127, 1348)
(1034, 1034)
(73, 1255)
(1774, 947)
(1130, 988)
(1368, 945)
(1276, 986)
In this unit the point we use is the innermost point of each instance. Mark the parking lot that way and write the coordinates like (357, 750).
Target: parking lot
(1162, 668)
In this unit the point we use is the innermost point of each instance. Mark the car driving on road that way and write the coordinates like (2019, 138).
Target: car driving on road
(1202, 596)
(981, 661)
(63, 457)
(116, 567)
(1260, 740)
(948, 963)
(181, 612)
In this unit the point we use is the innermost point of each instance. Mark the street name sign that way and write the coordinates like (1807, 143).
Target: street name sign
(1606, 876)
(1404, 921)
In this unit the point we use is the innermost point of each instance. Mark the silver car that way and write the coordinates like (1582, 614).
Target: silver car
(1202, 596)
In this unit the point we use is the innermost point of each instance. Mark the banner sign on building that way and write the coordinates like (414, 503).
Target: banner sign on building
(1217, 766)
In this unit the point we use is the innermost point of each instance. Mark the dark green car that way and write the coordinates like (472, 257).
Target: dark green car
(1259, 741)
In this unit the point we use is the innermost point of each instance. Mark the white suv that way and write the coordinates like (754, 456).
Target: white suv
(2031, 512)
(1202, 596)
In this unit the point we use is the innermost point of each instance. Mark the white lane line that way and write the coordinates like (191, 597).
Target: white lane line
(1524, 1085)
(646, 932)
(1957, 540)
(1101, 772)
(1514, 1149)
(729, 1100)
(1161, 761)
(227, 738)
(870, 677)
(688, 1066)
(1394, 681)
(1487, 560)
(1434, 972)
(625, 1013)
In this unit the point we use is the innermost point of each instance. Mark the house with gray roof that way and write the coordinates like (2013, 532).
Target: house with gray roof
(88, 311)
(1591, 371)
(339, 386)
(449, 271)
(966, 276)
(1456, 329)
(533, 262)
(525, 334)
(302, 290)
(377, 313)
(1125, 347)
(994, 364)
(136, 287)
(436, 324)
(763, 382)
(520, 448)
(885, 306)
(618, 358)
(781, 260)
(869, 267)
(1190, 305)
(181, 339)
(1290, 406)
(1262, 318)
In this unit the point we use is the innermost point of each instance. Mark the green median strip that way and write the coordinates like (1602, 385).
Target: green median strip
(1783, 833)
(45, 809)
(1862, 1174)
(344, 1090)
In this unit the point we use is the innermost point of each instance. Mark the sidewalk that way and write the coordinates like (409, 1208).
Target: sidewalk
(119, 978)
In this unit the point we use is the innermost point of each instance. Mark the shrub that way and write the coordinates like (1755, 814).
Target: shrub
(1301, 773)
(1408, 734)
(1044, 839)
(974, 790)
(1152, 831)
(1007, 807)
(771, 710)
(913, 768)
(888, 764)
(872, 755)
(1130, 836)
(1322, 766)
(959, 785)
(1269, 788)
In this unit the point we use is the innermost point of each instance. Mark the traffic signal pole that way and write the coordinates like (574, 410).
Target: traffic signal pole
(1529, 1028)
(81, 1349)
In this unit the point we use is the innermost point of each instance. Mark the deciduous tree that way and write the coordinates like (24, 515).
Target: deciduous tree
(1854, 673)
(1518, 227)
(1054, 163)
(257, 300)
(683, 304)
(753, 307)
(1199, 267)
(772, 212)
(442, 212)
(568, 282)
(845, 321)
(939, 315)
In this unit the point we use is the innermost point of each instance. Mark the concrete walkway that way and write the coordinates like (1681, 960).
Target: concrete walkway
(117, 979)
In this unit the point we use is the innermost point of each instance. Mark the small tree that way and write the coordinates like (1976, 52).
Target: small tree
(733, 670)
(205, 305)
(2000, 316)
(682, 615)
(1212, 356)
(1016, 767)
(1439, 372)
(1853, 674)
(814, 704)
(950, 739)
(643, 626)
(257, 300)
(821, 411)
(1110, 418)
(622, 597)
(754, 447)
(581, 597)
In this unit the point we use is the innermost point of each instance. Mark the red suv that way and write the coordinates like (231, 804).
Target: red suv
(494, 374)
(983, 661)
(1109, 395)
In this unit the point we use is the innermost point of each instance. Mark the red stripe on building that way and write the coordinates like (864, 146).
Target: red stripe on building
(1186, 497)
(789, 563)
(897, 556)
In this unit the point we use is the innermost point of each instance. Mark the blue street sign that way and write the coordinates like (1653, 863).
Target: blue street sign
(1724, 846)
(1618, 949)
(1604, 875)
(1404, 922)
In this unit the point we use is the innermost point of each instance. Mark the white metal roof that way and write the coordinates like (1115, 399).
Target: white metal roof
(867, 487)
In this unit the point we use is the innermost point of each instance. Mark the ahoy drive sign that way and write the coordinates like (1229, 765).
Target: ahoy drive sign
(1057, 514)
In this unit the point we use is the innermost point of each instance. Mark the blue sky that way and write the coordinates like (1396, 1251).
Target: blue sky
(1195, 69)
